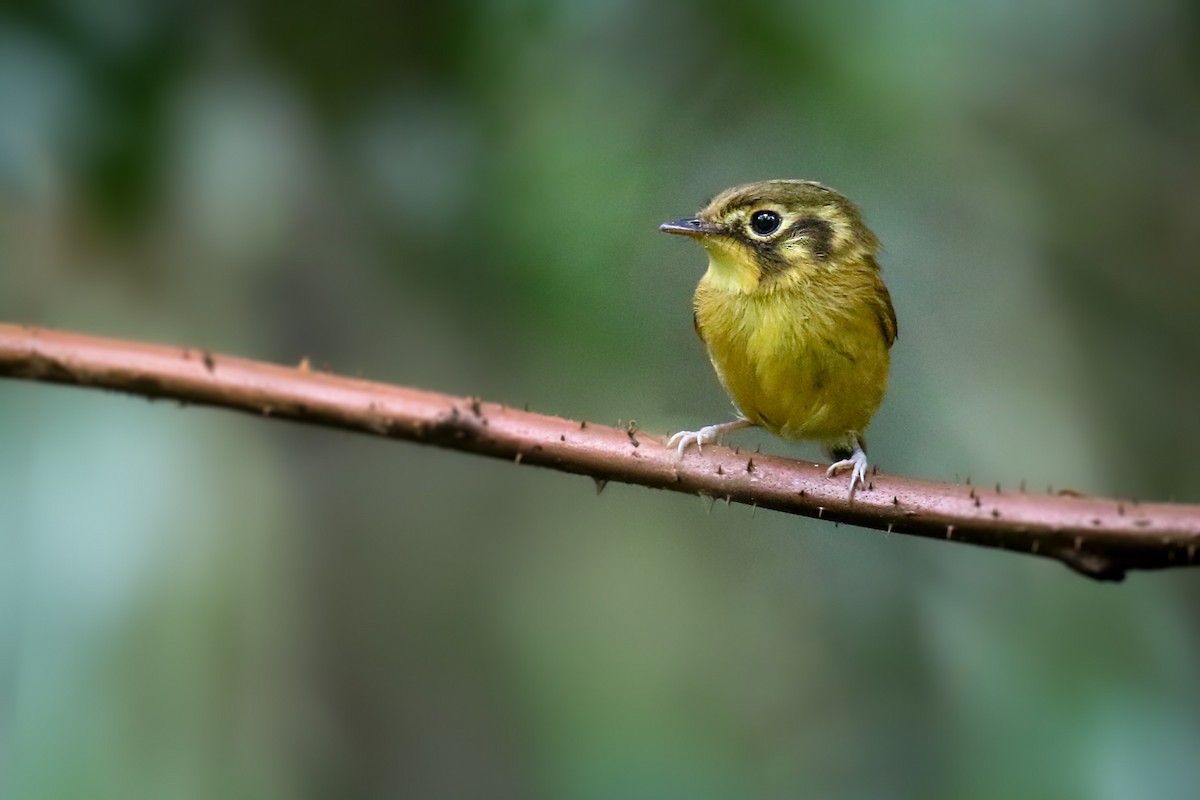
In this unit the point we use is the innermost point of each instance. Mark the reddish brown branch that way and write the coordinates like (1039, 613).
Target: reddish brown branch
(1097, 537)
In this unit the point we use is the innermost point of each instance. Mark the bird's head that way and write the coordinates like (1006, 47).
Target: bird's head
(763, 233)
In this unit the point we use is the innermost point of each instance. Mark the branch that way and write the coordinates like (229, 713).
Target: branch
(1097, 537)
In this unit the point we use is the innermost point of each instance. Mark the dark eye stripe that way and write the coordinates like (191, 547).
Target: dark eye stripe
(818, 232)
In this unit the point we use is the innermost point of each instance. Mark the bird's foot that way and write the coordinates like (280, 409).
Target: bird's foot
(857, 464)
(709, 434)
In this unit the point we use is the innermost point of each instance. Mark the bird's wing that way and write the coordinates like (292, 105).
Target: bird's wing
(884, 311)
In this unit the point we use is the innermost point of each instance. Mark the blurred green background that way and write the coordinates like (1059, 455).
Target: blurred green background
(464, 196)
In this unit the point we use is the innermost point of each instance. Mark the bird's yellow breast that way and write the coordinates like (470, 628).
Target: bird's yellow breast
(805, 360)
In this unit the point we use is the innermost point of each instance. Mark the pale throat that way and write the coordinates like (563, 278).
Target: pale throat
(729, 273)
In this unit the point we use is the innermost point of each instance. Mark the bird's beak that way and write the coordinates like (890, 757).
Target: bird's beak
(690, 226)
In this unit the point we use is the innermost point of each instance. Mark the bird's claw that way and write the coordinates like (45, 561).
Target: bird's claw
(709, 434)
(857, 464)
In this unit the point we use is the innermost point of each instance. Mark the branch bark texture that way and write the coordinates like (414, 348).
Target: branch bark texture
(1099, 538)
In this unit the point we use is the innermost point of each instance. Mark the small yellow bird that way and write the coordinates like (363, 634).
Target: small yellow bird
(796, 318)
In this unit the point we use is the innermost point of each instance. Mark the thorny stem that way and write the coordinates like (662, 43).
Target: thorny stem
(1097, 537)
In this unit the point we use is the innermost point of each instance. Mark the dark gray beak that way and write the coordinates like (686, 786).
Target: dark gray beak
(691, 226)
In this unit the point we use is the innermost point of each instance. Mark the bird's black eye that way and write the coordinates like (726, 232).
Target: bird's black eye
(765, 223)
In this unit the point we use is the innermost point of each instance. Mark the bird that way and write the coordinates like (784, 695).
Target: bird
(795, 316)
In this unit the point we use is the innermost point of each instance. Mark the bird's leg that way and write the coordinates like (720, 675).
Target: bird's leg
(709, 434)
(854, 458)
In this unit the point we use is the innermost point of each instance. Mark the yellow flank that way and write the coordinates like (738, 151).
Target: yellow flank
(795, 315)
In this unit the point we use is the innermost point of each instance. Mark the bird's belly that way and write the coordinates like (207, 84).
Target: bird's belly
(804, 392)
